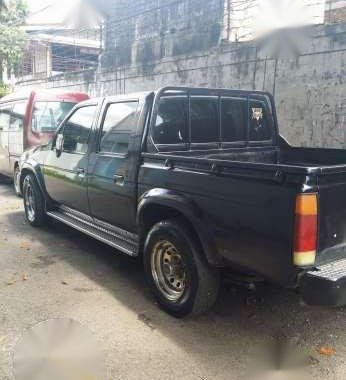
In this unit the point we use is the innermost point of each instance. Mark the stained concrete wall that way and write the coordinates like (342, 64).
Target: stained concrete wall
(309, 84)
(142, 31)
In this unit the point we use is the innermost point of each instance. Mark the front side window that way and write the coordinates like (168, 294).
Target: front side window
(171, 121)
(47, 116)
(233, 119)
(77, 129)
(118, 125)
(259, 123)
(17, 116)
(204, 120)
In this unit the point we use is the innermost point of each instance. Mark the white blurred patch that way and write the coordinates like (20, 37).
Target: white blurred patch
(279, 358)
(256, 18)
(58, 349)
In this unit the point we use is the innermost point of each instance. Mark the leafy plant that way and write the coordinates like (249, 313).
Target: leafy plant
(4, 90)
(12, 35)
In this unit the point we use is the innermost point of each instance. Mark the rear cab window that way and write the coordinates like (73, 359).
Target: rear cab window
(204, 116)
(212, 122)
(261, 122)
(233, 121)
(170, 130)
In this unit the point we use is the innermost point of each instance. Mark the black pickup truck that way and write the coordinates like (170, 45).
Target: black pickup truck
(196, 181)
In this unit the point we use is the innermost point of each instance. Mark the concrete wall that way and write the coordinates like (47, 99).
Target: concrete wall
(146, 30)
(309, 84)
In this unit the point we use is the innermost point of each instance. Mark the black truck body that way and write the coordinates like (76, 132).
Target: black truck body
(211, 160)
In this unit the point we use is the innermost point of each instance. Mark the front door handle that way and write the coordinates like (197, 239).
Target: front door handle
(119, 179)
(81, 172)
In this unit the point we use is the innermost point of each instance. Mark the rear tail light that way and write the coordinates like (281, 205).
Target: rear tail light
(305, 230)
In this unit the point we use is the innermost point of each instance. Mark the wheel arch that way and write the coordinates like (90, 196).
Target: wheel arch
(161, 204)
(29, 169)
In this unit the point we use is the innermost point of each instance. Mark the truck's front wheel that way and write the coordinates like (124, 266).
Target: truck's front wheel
(33, 201)
(179, 276)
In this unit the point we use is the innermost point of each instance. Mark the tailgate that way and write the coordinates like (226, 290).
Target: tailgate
(332, 217)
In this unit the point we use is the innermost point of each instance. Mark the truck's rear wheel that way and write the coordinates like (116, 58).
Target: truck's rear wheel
(33, 201)
(179, 276)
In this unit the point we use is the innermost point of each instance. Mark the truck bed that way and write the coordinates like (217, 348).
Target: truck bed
(323, 169)
(318, 160)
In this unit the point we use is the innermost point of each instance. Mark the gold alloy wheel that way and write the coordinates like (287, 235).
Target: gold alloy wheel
(168, 270)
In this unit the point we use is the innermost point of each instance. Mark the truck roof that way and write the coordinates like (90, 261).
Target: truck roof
(45, 94)
(172, 90)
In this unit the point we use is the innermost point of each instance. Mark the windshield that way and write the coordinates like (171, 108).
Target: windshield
(47, 116)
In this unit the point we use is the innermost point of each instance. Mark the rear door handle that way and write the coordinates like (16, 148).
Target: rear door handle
(81, 172)
(119, 179)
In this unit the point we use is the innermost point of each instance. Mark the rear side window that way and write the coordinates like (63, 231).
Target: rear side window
(119, 123)
(204, 120)
(17, 116)
(171, 121)
(260, 127)
(5, 115)
(233, 119)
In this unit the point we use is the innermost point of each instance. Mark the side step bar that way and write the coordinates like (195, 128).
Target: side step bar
(115, 237)
(326, 285)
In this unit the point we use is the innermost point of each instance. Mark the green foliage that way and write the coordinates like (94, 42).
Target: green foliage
(12, 36)
(4, 90)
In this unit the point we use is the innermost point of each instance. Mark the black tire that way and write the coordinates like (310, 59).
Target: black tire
(16, 181)
(201, 284)
(34, 204)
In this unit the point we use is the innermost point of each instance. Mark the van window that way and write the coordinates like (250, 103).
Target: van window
(171, 121)
(119, 123)
(77, 129)
(260, 123)
(47, 116)
(204, 120)
(17, 116)
(233, 119)
(5, 115)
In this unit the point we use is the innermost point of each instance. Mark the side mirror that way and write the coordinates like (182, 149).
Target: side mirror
(59, 142)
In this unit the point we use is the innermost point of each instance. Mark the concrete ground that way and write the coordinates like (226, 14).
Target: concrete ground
(57, 272)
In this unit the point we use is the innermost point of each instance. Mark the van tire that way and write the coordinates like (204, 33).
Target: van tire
(34, 204)
(201, 281)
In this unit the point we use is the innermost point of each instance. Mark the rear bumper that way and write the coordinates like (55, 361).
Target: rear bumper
(326, 285)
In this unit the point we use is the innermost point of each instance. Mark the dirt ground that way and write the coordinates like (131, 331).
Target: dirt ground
(56, 272)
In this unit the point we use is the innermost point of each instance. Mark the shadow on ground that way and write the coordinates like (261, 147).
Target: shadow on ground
(240, 317)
